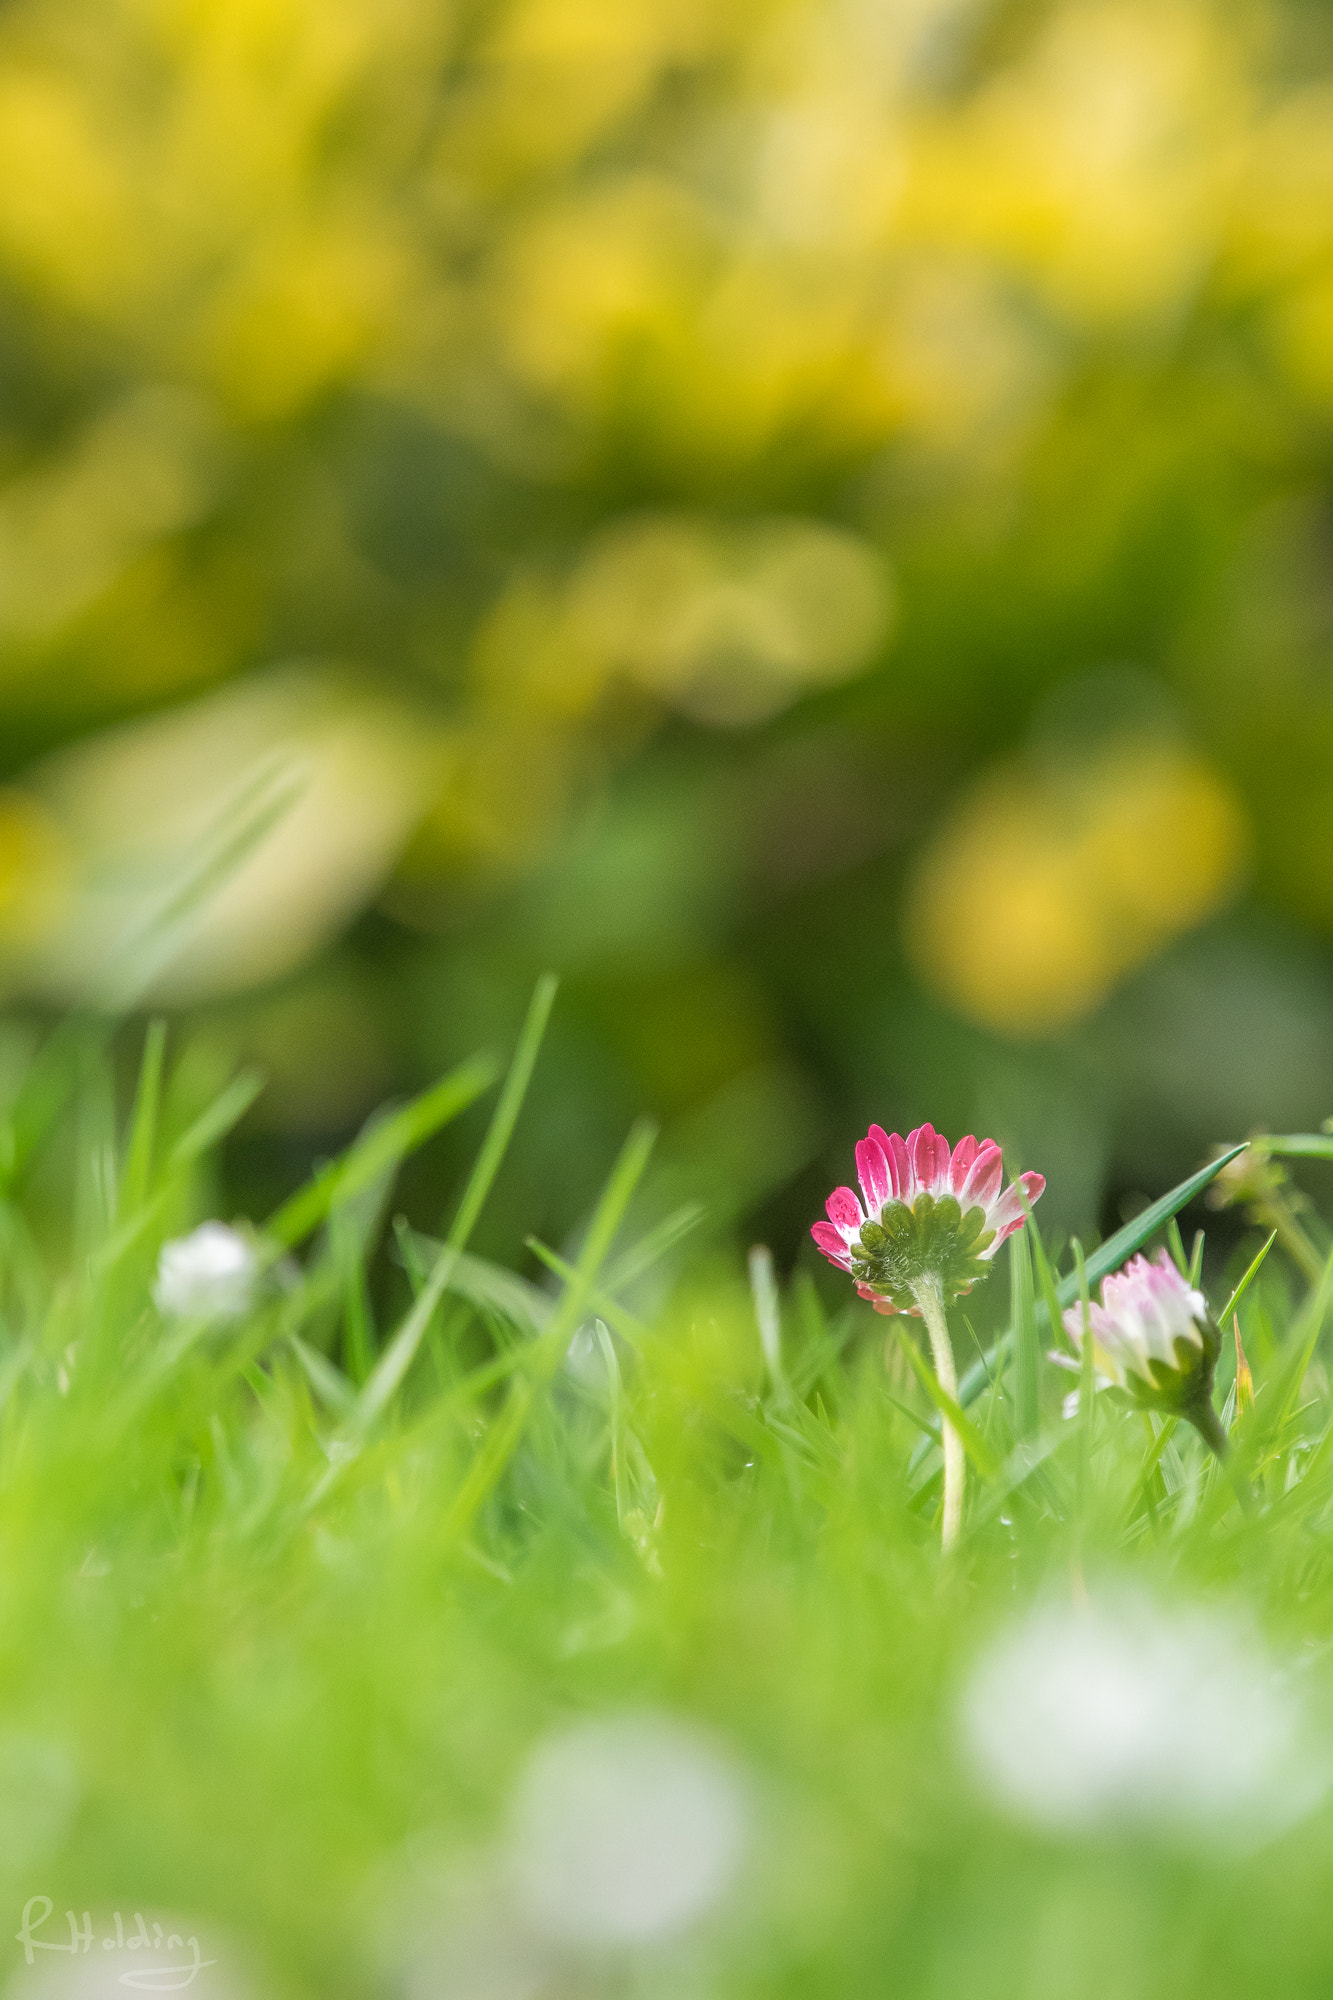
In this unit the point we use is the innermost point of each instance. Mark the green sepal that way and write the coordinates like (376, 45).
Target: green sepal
(1188, 1386)
(903, 1243)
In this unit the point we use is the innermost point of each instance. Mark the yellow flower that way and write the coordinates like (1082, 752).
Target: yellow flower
(1043, 888)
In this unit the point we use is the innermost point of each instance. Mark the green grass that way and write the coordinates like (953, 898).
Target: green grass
(284, 1607)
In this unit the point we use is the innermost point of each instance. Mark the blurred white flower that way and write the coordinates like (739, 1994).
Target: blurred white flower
(1127, 1713)
(209, 1274)
(474, 1946)
(216, 845)
(626, 1830)
(151, 1951)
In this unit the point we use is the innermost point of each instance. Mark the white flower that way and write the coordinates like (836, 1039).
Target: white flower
(1153, 1339)
(1125, 1713)
(626, 1830)
(1145, 1311)
(210, 1274)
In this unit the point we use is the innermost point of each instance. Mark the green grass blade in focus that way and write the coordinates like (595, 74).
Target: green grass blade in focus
(401, 1349)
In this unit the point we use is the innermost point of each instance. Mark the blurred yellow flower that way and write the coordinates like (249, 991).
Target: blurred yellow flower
(305, 307)
(728, 622)
(740, 256)
(34, 868)
(140, 470)
(1047, 884)
(70, 219)
(1096, 167)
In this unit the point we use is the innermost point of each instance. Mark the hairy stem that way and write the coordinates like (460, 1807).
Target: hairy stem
(930, 1297)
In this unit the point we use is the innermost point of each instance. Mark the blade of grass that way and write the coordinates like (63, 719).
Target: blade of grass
(54, 1076)
(213, 1124)
(606, 1220)
(1027, 1353)
(399, 1354)
(1300, 1347)
(1087, 1374)
(768, 1318)
(242, 824)
(358, 1326)
(1245, 1283)
(547, 1353)
(1296, 1145)
(329, 1383)
(143, 1120)
(1176, 1245)
(641, 1256)
(380, 1147)
(633, 1330)
(487, 1468)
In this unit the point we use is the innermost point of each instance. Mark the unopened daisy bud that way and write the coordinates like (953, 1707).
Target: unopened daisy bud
(1153, 1341)
(211, 1274)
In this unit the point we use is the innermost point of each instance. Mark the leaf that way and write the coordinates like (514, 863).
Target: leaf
(400, 1352)
(378, 1150)
(214, 1123)
(1027, 1353)
(143, 1119)
(1296, 1145)
(1246, 1281)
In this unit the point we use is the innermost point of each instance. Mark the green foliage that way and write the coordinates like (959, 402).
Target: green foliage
(286, 1601)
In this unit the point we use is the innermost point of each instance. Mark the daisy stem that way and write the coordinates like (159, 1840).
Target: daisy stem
(1209, 1426)
(1207, 1423)
(929, 1295)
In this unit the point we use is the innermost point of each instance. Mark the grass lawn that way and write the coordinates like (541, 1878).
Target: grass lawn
(531, 1639)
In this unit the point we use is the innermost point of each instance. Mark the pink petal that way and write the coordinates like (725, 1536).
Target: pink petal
(873, 1172)
(843, 1209)
(921, 1152)
(983, 1180)
(963, 1155)
(900, 1167)
(1007, 1214)
(832, 1245)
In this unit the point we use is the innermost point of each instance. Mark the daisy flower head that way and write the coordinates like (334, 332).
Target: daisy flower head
(926, 1210)
(211, 1274)
(1153, 1338)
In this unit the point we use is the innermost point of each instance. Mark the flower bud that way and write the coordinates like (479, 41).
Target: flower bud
(1153, 1339)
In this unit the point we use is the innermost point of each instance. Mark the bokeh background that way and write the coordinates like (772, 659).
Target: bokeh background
(809, 517)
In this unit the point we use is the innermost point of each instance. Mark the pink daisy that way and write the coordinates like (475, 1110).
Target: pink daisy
(924, 1208)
